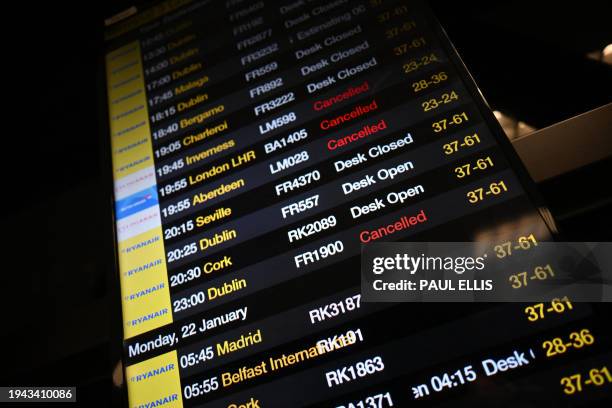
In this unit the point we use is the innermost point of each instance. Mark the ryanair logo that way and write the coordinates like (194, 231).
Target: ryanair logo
(143, 268)
(152, 373)
(147, 317)
(141, 244)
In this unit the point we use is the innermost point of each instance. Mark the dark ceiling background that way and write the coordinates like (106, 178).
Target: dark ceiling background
(528, 58)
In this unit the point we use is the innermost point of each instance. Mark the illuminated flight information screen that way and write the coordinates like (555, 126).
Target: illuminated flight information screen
(257, 147)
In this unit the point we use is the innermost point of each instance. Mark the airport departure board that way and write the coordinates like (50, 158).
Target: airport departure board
(257, 146)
